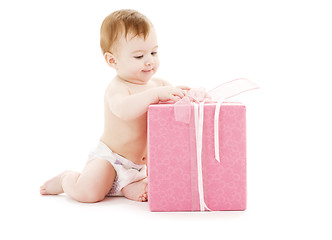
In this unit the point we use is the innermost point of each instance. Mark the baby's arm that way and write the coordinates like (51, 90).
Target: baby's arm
(128, 107)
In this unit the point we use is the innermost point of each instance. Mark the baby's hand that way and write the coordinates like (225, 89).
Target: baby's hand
(183, 87)
(169, 93)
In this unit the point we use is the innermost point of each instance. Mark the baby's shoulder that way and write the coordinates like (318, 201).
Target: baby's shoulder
(116, 87)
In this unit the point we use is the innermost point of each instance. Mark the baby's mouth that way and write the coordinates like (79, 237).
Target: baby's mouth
(146, 71)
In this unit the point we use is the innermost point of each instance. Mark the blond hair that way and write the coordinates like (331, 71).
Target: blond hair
(122, 22)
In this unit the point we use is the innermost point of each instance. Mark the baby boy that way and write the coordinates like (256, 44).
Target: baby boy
(117, 166)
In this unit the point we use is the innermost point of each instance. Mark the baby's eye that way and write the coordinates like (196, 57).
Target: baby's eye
(139, 57)
(154, 53)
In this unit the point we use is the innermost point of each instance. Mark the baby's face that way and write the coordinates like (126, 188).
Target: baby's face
(137, 59)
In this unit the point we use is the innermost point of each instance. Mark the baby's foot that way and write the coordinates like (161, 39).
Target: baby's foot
(52, 186)
(136, 191)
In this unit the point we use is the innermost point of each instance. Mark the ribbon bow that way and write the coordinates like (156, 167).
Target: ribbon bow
(182, 110)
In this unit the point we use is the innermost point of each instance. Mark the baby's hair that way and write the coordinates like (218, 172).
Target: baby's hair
(122, 22)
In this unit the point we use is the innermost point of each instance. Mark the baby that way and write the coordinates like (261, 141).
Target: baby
(117, 166)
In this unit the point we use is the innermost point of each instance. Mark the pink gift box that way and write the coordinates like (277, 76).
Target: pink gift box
(172, 169)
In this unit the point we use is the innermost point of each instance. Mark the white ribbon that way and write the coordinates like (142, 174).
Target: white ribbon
(216, 129)
(224, 91)
(199, 120)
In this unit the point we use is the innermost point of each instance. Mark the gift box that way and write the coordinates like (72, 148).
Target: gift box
(196, 168)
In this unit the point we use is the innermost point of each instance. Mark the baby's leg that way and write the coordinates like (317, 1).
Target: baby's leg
(92, 185)
(136, 191)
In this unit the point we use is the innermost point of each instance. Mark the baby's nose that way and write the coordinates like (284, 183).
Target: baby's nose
(149, 61)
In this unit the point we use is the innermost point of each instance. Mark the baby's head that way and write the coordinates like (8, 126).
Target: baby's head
(122, 23)
(129, 44)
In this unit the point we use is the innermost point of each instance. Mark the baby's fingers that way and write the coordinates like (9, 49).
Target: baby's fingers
(175, 98)
(178, 92)
(183, 87)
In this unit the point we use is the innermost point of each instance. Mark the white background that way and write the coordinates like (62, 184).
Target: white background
(53, 78)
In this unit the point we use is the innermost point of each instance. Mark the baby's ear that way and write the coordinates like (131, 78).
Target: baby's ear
(110, 59)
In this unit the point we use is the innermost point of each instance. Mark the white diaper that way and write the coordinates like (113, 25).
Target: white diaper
(127, 171)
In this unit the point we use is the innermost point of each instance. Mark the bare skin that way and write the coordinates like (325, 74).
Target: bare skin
(126, 101)
(136, 191)
(53, 186)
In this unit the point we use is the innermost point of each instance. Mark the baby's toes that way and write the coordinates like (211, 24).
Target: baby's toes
(143, 198)
(43, 190)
